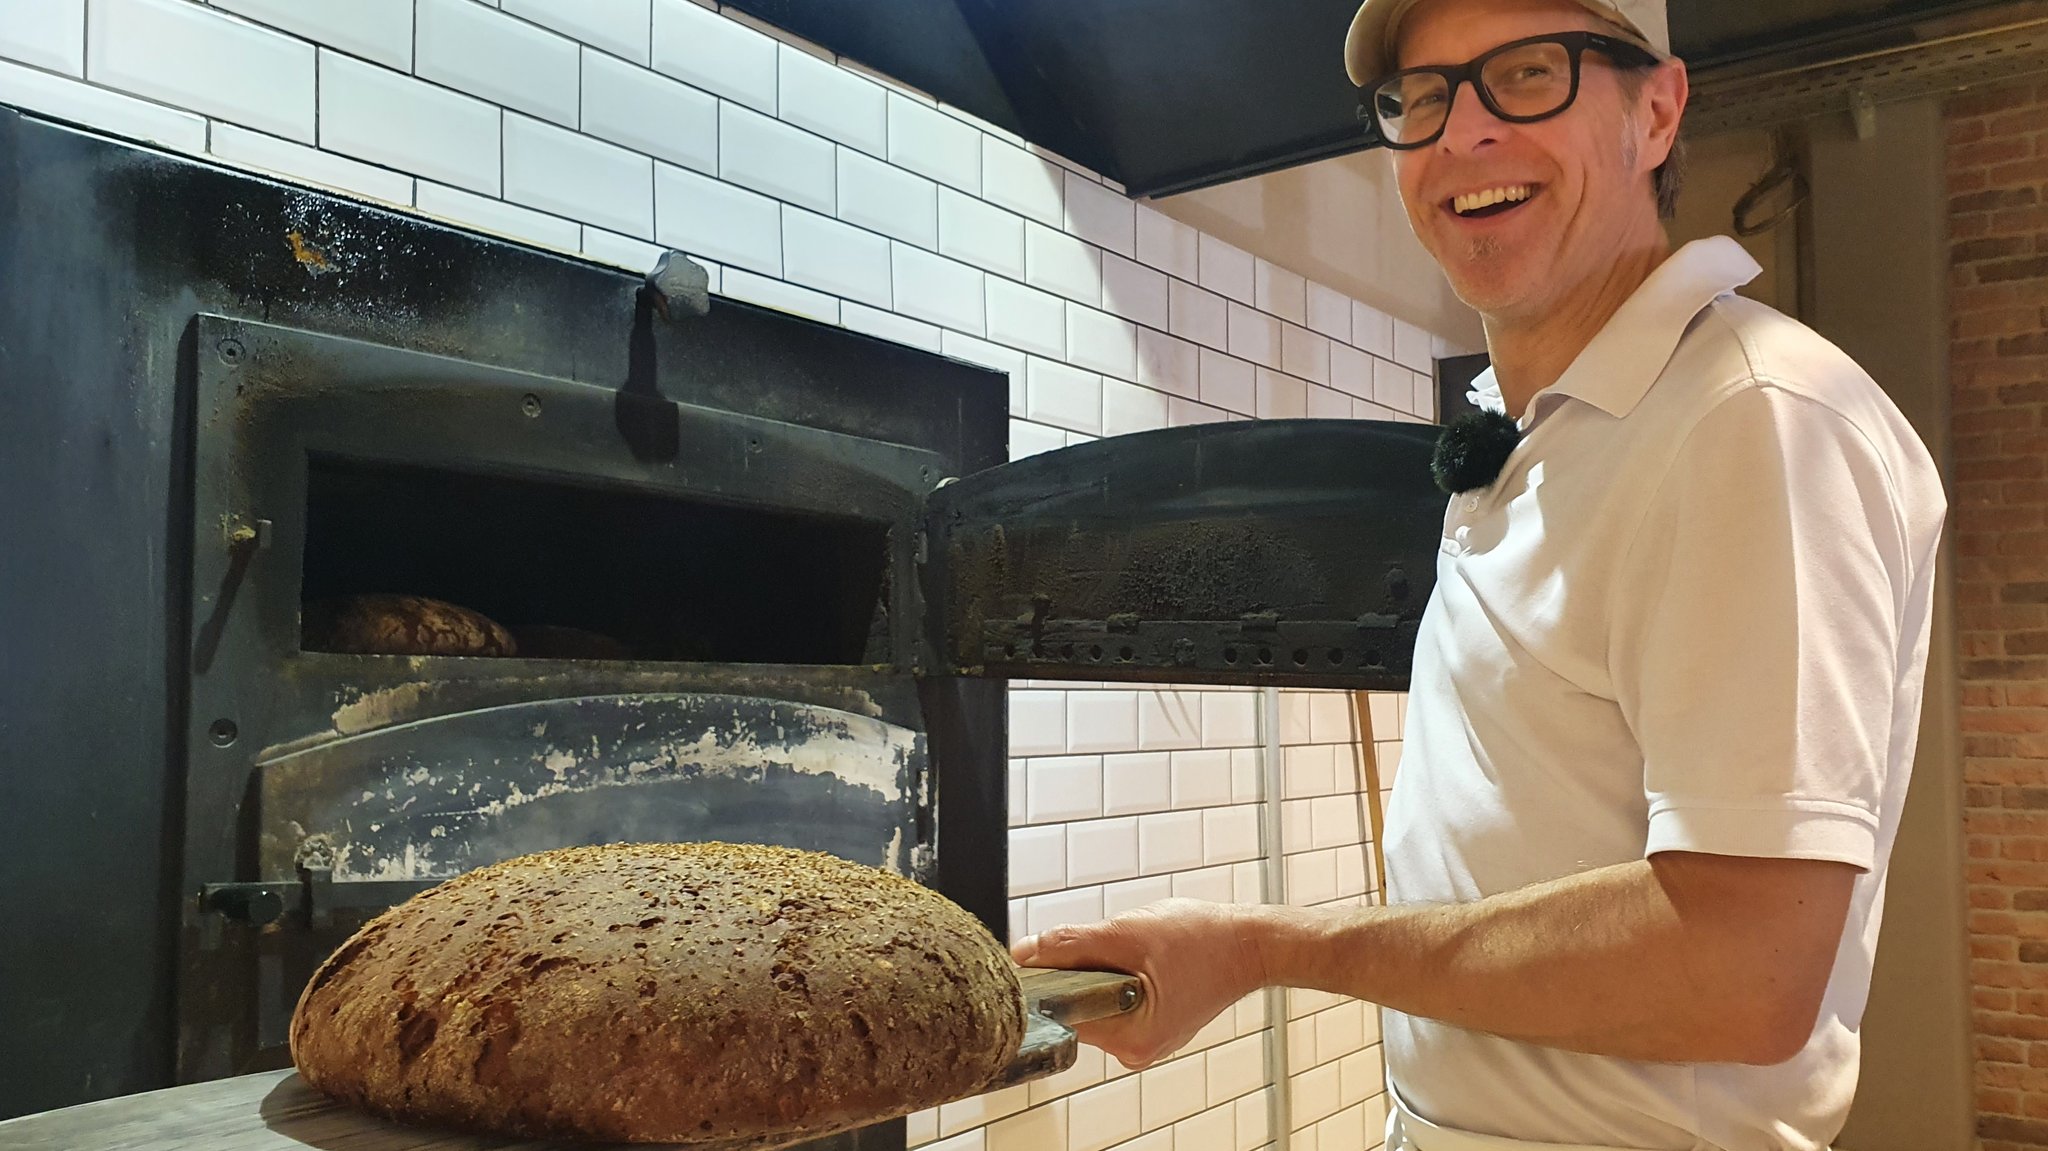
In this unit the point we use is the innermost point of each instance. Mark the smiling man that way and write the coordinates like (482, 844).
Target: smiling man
(1666, 692)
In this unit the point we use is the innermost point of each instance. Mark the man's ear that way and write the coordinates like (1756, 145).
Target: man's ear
(1661, 105)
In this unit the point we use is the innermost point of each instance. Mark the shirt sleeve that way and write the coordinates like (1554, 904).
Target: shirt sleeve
(1755, 635)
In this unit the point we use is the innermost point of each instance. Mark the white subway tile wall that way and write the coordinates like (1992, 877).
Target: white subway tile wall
(631, 254)
(834, 103)
(889, 200)
(698, 214)
(46, 33)
(1168, 364)
(578, 177)
(981, 234)
(498, 216)
(787, 297)
(1228, 269)
(1129, 408)
(68, 99)
(1026, 184)
(376, 30)
(822, 189)
(621, 27)
(933, 144)
(1026, 318)
(836, 259)
(496, 57)
(394, 121)
(1104, 218)
(1058, 262)
(723, 57)
(775, 159)
(1254, 335)
(892, 327)
(939, 290)
(1103, 343)
(1199, 315)
(649, 112)
(296, 162)
(202, 60)
(1135, 292)
(1281, 292)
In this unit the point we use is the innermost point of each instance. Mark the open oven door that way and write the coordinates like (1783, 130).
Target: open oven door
(1285, 552)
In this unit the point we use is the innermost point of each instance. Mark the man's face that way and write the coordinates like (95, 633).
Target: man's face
(1586, 170)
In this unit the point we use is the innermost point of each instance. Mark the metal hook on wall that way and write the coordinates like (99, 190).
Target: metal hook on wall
(1785, 171)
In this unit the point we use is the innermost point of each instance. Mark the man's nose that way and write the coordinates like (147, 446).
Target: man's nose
(1471, 125)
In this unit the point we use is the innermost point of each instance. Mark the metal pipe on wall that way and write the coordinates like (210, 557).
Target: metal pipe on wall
(1271, 770)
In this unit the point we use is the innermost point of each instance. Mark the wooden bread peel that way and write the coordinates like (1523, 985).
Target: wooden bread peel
(277, 1111)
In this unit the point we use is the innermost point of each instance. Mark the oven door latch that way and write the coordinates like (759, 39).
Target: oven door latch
(310, 902)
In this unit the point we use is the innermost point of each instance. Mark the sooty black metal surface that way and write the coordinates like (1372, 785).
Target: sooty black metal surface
(124, 793)
(1296, 552)
(437, 797)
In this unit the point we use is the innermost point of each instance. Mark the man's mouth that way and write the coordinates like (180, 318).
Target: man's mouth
(1491, 201)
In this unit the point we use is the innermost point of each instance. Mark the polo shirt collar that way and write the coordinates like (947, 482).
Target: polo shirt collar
(1615, 371)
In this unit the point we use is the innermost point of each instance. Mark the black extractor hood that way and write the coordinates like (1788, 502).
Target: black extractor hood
(1158, 95)
(1165, 96)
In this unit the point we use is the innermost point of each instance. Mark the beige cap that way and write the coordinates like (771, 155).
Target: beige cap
(1368, 50)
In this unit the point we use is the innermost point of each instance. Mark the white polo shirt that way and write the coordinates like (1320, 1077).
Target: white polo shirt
(1691, 614)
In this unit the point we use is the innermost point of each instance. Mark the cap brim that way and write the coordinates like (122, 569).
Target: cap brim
(1366, 56)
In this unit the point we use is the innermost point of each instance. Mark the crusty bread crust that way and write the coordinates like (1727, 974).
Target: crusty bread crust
(401, 625)
(662, 993)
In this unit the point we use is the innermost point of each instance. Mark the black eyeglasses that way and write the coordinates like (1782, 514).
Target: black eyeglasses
(1521, 82)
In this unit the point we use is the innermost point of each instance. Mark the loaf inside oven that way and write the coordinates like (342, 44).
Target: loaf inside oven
(400, 625)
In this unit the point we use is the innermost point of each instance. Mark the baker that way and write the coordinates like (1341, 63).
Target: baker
(1665, 694)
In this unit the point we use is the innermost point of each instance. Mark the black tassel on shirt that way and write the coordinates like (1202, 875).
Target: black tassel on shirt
(1472, 449)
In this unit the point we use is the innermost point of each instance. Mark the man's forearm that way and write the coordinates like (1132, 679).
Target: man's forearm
(1642, 961)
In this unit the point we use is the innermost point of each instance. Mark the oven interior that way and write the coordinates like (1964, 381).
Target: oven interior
(671, 580)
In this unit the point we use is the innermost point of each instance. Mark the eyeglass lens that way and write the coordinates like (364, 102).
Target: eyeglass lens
(1528, 81)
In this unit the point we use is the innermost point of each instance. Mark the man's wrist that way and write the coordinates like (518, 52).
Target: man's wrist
(1273, 936)
(1316, 948)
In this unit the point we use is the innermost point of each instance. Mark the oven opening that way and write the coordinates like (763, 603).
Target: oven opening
(584, 572)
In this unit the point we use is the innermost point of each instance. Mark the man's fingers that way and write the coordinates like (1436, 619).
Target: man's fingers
(1166, 946)
(1069, 948)
(1122, 1038)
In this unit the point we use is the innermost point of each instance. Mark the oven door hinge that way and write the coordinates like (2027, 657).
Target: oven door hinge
(310, 902)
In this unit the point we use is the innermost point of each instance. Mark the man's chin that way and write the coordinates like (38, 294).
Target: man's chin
(1492, 294)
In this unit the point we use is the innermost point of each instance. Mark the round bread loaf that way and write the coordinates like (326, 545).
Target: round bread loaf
(743, 995)
(400, 625)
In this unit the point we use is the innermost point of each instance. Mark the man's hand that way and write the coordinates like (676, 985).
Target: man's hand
(1683, 958)
(1194, 960)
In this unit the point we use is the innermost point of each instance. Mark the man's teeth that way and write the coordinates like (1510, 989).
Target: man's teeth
(1513, 193)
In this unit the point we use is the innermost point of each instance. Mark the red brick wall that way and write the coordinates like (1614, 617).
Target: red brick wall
(1998, 217)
